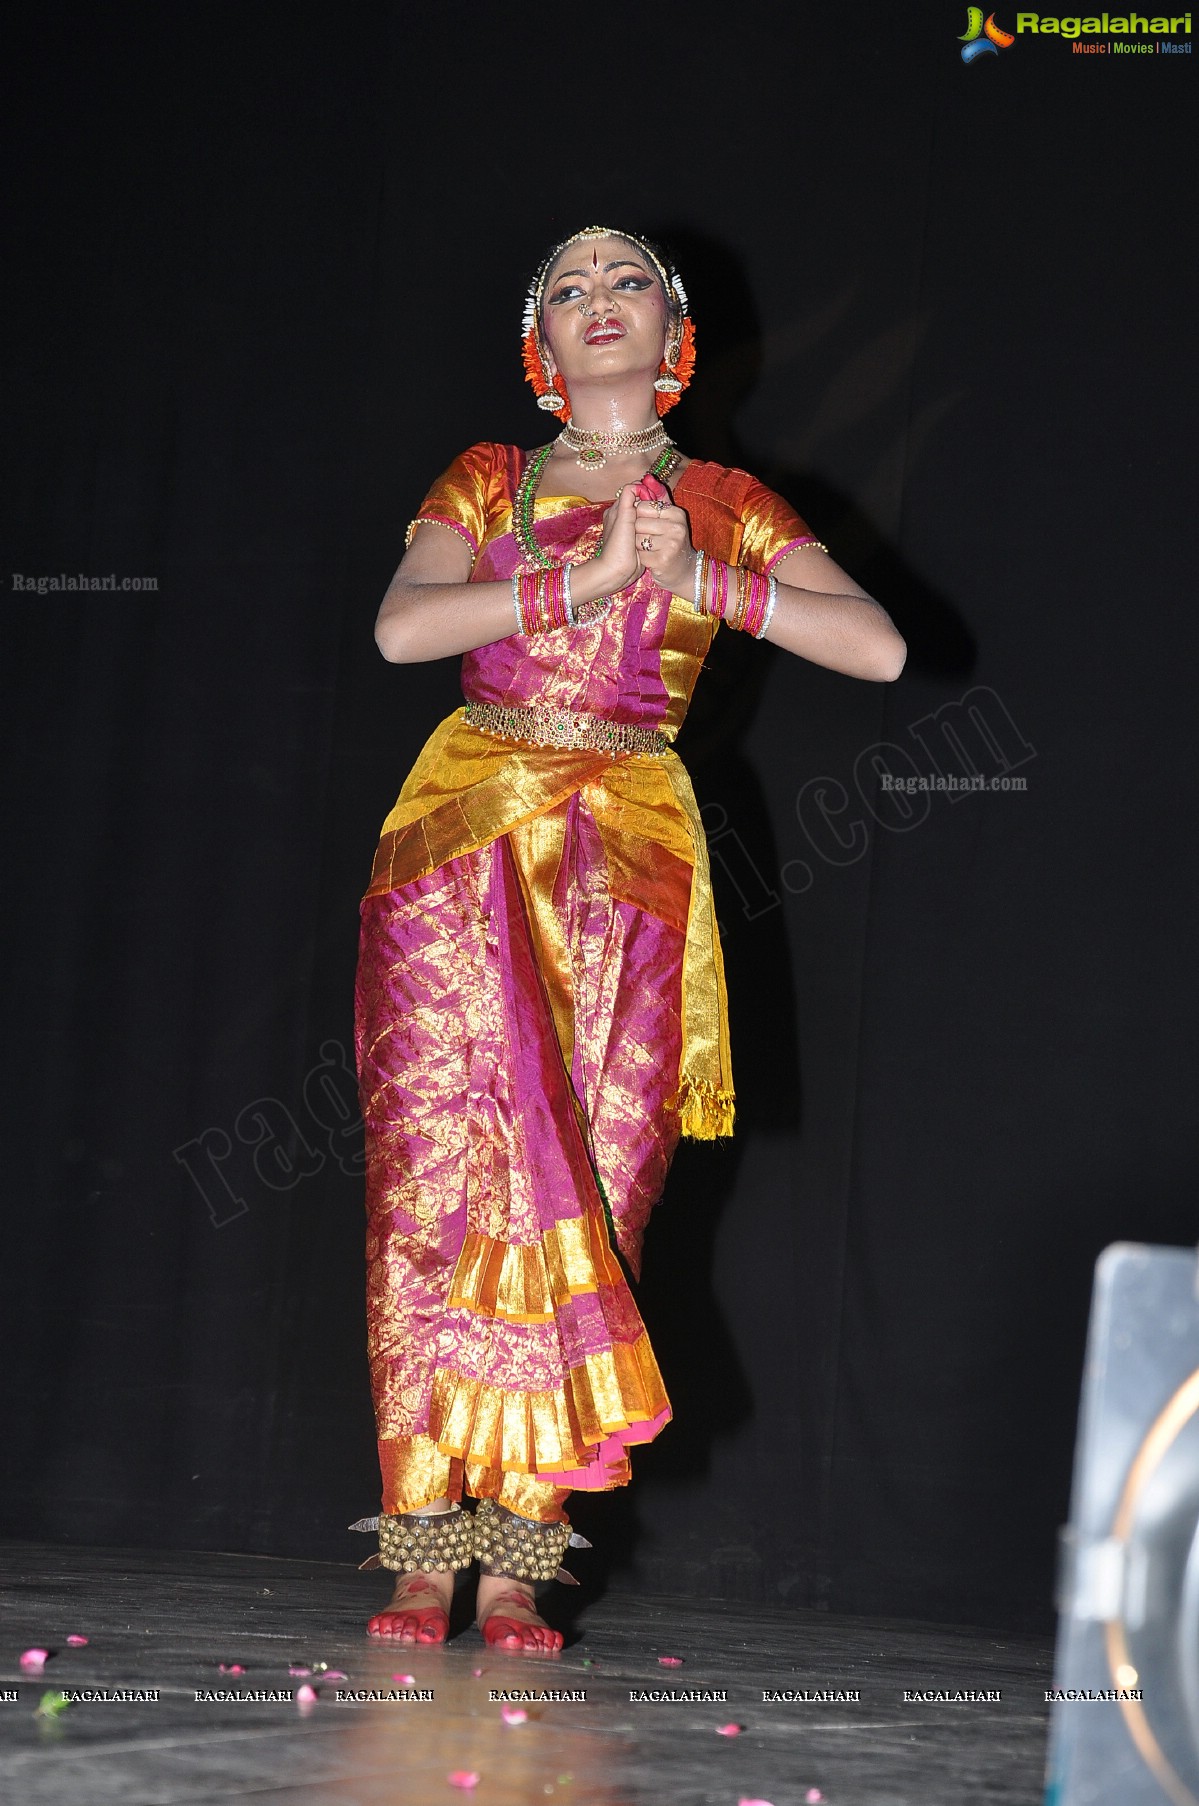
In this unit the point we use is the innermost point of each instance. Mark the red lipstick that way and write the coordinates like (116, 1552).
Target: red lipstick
(603, 332)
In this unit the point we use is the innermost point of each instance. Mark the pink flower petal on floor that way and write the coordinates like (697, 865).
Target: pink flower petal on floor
(334, 1674)
(35, 1659)
(75, 1641)
(409, 1680)
(813, 1795)
(476, 1671)
(462, 1777)
(232, 1668)
(513, 1715)
(729, 1730)
(747, 1802)
(293, 1670)
(670, 1661)
(306, 1695)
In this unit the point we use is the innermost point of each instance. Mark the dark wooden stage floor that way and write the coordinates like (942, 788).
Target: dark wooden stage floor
(167, 1621)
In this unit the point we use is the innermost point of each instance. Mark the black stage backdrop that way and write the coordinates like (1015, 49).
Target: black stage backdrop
(267, 266)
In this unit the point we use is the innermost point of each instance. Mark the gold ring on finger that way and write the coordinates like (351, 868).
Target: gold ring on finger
(647, 544)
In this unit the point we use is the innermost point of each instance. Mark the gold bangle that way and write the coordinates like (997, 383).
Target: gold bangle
(737, 620)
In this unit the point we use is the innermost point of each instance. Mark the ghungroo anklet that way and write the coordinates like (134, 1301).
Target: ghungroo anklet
(521, 1548)
(426, 1542)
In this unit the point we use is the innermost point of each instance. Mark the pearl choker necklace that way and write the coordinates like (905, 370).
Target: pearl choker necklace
(591, 448)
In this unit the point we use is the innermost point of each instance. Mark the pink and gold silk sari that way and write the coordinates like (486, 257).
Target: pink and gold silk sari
(540, 1013)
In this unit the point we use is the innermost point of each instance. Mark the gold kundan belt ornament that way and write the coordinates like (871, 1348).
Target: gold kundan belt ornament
(569, 729)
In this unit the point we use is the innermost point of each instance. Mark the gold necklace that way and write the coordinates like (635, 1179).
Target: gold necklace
(591, 448)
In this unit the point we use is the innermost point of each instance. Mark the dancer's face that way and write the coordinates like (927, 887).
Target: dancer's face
(603, 311)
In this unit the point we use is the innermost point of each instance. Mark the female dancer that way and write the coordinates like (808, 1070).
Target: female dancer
(540, 1008)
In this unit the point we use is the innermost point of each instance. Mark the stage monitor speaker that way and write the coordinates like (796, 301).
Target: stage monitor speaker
(1124, 1728)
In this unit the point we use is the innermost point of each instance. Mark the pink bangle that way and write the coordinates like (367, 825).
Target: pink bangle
(541, 600)
(755, 610)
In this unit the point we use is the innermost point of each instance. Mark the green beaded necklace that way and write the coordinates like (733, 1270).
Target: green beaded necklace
(522, 505)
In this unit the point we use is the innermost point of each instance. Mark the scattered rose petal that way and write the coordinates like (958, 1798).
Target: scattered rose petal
(729, 1730)
(476, 1671)
(462, 1777)
(75, 1641)
(670, 1661)
(747, 1802)
(295, 1670)
(409, 1680)
(813, 1794)
(513, 1715)
(306, 1695)
(232, 1668)
(34, 1659)
(334, 1674)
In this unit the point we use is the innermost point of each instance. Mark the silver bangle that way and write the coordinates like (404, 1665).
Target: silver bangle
(699, 566)
(520, 626)
(567, 598)
(772, 598)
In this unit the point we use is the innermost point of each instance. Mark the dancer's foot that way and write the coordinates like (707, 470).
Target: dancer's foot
(419, 1611)
(507, 1616)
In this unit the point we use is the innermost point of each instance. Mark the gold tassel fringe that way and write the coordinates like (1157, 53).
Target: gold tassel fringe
(705, 1111)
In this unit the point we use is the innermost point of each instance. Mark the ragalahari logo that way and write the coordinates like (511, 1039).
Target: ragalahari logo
(982, 37)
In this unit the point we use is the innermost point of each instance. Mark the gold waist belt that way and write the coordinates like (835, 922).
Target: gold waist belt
(570, 728)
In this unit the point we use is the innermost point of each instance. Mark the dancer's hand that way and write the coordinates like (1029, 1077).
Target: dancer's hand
(662, 533)
(618, 564)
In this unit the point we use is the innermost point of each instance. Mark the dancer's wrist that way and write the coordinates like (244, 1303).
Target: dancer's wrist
(602, 576)
(742, 598)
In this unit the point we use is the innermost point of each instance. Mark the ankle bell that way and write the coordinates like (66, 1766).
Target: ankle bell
(522, 1548)
(412, 1542)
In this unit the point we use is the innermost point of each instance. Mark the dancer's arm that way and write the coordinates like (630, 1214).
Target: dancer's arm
(432, 610)
(821, 613)
(824, 616)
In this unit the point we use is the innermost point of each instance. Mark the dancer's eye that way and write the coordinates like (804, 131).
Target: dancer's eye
(565, 294)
